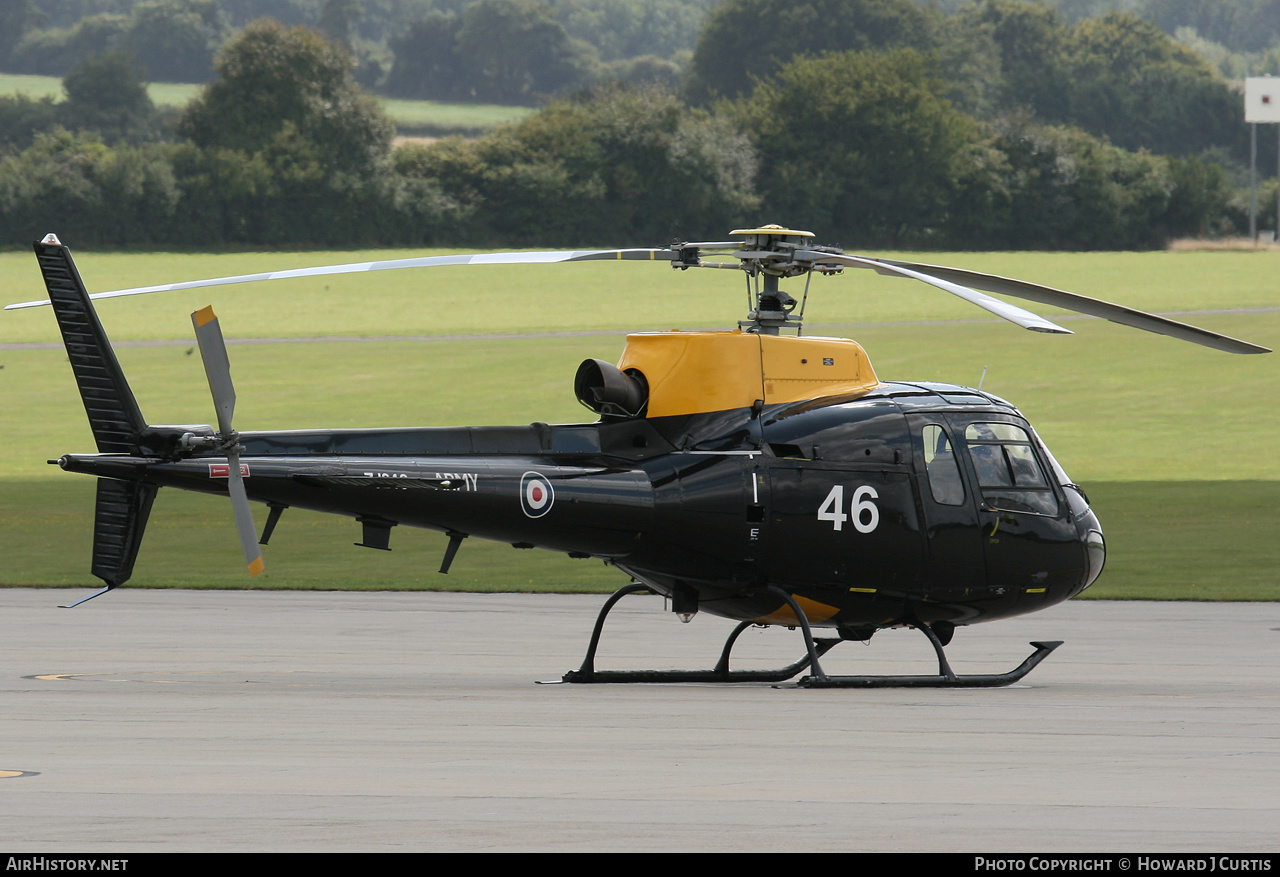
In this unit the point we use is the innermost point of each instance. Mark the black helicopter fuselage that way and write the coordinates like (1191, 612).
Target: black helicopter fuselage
(759, 474)
(912, 503)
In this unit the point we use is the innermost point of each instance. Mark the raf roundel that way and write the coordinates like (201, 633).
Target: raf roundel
(536, 494)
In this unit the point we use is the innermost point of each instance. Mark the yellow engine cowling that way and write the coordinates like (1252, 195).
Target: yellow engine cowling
(696, 372)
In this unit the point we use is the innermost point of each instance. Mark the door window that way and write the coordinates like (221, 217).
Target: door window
(1009, 474)
(943, 469)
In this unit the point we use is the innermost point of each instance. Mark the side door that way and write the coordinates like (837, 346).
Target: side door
(957, 567)
(1029, 540)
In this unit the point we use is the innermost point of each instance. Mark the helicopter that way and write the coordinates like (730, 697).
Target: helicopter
(757, 474)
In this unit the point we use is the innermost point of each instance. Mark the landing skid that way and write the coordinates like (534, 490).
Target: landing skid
(721, 673)
(814, 647)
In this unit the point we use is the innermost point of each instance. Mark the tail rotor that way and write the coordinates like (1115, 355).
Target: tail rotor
(217, 368)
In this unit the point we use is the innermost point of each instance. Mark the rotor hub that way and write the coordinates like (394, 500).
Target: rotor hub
(767, 254)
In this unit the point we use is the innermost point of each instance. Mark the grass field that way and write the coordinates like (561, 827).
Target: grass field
(1173, 442)
(435, 118)
(410, 116)
(33, 86)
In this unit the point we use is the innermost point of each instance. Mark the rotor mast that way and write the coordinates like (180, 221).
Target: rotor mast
(767, 254)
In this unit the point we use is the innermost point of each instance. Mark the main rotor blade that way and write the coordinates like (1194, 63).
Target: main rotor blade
(1081, 304)
(389, 265)
(244, 516)
(217, 367)
(1012, 313)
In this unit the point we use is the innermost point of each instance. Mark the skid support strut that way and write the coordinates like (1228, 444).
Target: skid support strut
(814, 648)
(946, 678)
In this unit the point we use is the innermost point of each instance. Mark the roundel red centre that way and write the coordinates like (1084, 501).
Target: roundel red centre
(536, 494)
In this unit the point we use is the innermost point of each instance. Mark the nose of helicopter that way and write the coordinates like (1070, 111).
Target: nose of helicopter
(1089, 532)
(1096, 549)
(1095, 546)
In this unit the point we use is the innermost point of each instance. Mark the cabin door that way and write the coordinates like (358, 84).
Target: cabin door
(957, 568)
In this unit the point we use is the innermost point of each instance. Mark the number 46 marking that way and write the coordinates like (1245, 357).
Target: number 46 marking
(862, 511)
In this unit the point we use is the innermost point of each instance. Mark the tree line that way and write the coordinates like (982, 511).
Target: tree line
(499, 50)
(871, 146)
(530, 50)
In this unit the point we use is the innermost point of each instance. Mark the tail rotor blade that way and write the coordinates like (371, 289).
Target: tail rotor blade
(244, 517)
(217, 368)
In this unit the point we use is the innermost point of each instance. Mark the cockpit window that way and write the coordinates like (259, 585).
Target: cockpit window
(1061, 474)
(943, 470)
(1009, 474)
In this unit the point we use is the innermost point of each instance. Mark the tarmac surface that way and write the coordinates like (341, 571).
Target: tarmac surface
(252, 721)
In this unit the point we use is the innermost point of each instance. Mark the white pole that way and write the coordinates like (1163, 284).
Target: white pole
(1253, 182)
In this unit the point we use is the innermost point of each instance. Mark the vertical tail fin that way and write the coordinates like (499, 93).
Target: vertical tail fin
(113, 412)
(122, 507)
(119, 519)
